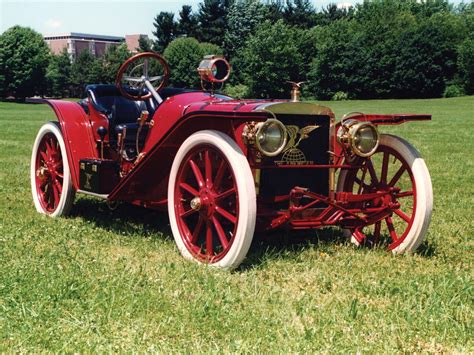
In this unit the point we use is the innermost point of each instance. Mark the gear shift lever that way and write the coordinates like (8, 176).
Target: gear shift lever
(102, 131)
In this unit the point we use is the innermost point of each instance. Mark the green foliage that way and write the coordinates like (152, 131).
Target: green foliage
(188, 22)
(58, 75)
(299, 13)
(466, 65)
(270, 58)
(453, 90)
(243, 18)
(85, 70)
(238, 91)
(183, 56)
(390, 49)
(340, 96)
(24, 58)
(145, 44)
(212, 20)
(113, 59)
(165, 31)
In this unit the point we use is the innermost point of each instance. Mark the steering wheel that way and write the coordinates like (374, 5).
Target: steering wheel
(144, 70)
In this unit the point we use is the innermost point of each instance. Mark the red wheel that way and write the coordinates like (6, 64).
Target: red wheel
(395, 164)
(211, 200)
(51, 185)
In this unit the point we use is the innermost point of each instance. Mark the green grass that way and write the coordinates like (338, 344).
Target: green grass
(114, 281)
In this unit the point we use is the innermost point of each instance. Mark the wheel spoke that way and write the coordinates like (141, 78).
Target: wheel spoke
(373, 174)
(58, 186)
(189, 189)
(208, 168)
(361, 185)
(197, 230)
(48, 149)
(44, 156)
(220, 232)
(383, 175)
(197, 173)
(378, 226)
(360, 181)
(187, 213)
(397, 176)
(55, 193)
(145, 68)
(209, 246)
(219, 175)
(231, 218)
(391, 229)
(405, 194)
(226, 193)
(132, 79)
(155, 78)
(402, 215)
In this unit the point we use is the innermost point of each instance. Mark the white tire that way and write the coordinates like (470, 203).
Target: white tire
(51, 184)
(422, 207)
(212, 210)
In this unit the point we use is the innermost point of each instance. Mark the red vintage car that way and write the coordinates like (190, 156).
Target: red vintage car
(224, 168)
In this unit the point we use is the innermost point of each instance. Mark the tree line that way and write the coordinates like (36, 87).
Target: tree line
(376, 49)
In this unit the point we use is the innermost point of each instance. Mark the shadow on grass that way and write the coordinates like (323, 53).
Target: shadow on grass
(128, 220)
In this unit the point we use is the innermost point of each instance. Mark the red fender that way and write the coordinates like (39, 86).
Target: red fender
(77, 132)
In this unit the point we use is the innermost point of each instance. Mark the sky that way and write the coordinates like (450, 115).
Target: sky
(106, 17)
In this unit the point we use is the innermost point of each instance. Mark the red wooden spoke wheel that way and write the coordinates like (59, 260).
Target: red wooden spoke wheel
(396, 164)
(211, 200)
(50, 176)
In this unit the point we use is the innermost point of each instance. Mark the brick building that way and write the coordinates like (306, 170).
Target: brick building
(97, 45)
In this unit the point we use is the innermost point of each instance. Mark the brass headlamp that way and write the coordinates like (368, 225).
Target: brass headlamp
(269, 137)
(359, 137)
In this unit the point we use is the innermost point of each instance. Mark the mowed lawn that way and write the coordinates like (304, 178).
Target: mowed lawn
(114, 281)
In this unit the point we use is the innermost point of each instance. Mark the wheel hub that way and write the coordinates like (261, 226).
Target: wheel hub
(196, 203)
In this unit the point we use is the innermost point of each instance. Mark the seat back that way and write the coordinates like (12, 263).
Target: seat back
(108, 100)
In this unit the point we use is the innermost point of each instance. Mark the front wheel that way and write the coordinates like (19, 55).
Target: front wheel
(212, 200)
(398, 164)
(51, 185)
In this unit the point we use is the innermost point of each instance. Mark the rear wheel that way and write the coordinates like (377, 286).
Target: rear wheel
(51, 185)
(395, 164)
(211, 200)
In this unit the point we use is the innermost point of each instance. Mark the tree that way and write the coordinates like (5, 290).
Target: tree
(144, 44)
(85, 70)
(212, 20)
(165, 30)
(270, 58)
(24, 58)
(58, 75)
(274, 10)
(184, 56)
(332, 13)
(243, 18)
(188, 22)
(113, 59)
(466, 65)
(299, 13)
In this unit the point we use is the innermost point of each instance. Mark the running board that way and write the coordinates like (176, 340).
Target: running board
(93, 194)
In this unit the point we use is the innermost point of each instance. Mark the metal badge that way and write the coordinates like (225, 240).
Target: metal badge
(292, 154)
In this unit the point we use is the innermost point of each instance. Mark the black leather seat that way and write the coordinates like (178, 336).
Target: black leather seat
(123, 112)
